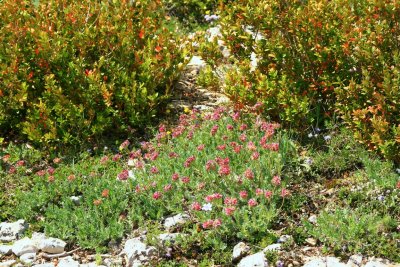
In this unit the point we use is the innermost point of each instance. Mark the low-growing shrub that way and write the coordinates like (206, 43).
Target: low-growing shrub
(229, 179)
(319, 59)
(74, 70)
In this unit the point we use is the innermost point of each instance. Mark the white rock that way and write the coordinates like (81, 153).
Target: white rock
(7, 263)
(44, 265)
(5, 249)
(255, 260)
(374, 263)
(135, 249)
(325, 262)
(52, 245)
(24, 246)
(313, 219)
(168, 237)
(213, 32)
(12, 231)
(91, 264)
(273, 247)
(355, 260)
(284, 238)
(196, 61)
(68, 262)
(239, 251)
(28, 258)
(311, 241)
(76, 199)
(176, 220)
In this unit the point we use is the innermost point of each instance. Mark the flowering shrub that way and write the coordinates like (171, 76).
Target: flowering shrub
(315, 59)
(73, 70)
(228, 178)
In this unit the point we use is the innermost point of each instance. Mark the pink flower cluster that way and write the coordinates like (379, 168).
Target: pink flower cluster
(212, 223)
(210, 198)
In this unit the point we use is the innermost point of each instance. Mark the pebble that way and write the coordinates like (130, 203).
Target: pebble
(23, 246)
(176, 220)
(12, 231)
(239, 251)
(255, 260)
(28, 258)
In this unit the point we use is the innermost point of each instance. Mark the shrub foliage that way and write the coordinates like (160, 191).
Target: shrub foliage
(318, 59)
(71, 70)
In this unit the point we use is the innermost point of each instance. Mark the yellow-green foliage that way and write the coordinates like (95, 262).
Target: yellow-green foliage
(74, 69)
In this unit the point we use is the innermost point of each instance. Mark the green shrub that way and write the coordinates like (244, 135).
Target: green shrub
(350, 232)
(74, 70)
(317, 59)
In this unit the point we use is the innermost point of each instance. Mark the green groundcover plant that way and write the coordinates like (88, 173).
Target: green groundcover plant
(73, 70)
(225, 170)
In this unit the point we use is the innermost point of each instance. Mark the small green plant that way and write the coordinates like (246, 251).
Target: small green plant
(208, 78)
(351, 231)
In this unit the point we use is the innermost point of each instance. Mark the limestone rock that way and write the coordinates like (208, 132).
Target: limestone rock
(24, 246)
(255, 260)
(168, 237)
(12, 231)
(7, 263)
(68, 262)
(136, 250)
(5, 249)
(324, 262)
(273, 247)
(28, 258)
(285, 238)
(355, 261)
(239, 251)
(176, 220)
(50, 264)
(52, 245)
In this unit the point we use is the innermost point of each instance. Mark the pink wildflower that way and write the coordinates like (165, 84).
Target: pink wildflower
(20, 163)
(41, 173)
(255, 155)
(285, 192)
(162, 128)
(224, 170)
(229, 127)
(200, 147)
(157, 195)
(104, 160)
(268, 194)
(237, 149)
(124, 144)
(154, 170)
(214, 130)
(249, 174)
(51, 170)
(116, 157)
(243, 194)
(185, 180)
(230, 201)
(221, 147)
(252, 202)
(217, 223)
(243, 137)
(276, 180)
(211, 165)
(188, 161)
(208, 224)
(251, 146)
(243, 127)
(123, 175)
(12, 170)
(139, 164)
(175, 176)
(196, 206)
(259, 191)
(236, 116)
(229, 210)
(173, 155)
(167, 187)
